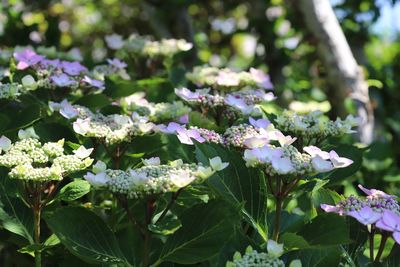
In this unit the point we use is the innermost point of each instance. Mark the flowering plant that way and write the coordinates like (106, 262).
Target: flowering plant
(185, 172)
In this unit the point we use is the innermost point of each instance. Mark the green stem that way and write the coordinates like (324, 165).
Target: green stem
(371, 244)
(381, 247)
(36, 218)
(150, 208)
(169, 205)
(278, 209)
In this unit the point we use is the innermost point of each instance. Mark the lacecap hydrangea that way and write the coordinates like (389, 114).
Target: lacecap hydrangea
(113, 129)
(153, 178)
(30, 160)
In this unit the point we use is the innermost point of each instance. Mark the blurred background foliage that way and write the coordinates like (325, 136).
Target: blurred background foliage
(269, 34)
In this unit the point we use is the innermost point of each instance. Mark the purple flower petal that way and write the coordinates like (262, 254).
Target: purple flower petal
(27, 58)
(73, 68)
(366, 215)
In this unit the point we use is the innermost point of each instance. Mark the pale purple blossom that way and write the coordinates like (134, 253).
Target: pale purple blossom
(55, 63)
(260, 123)
(332, 209)
(282, 165)
(238, 103)
(390, 221)
(186, 94)
(67, 110)
(172, 127)
(315, 151)
(27, 58)
(366, 215)
(114, 41)
(261, 79)
(321, 165)
(63, 80)
(93, 82)
(375, 192)
(184, 119)
(186, 136)
(115, 62)
(73, 68)
(339, 162)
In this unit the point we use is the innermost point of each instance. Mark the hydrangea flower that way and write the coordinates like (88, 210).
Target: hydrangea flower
(378, 208)
(28, 159)
(114, 41)
(73, 68)
(254, 258)
(313, 126)
(27, 58)
(63, 80)
(92, 82)
(153, 178)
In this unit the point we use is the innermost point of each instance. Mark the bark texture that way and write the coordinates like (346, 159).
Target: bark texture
(345, 76)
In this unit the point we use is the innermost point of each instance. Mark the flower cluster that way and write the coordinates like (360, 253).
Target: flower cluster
(31, 160)
(253, 258)
(10, 90)
(227, 79)
(244, 102)
(156, 112)
(153, 177)
(378, 208)
(314, 126)
(56, 73)
(112, 129)
(145, 46)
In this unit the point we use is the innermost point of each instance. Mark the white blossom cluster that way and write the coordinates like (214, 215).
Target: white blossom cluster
(146, 46)
(10, 90)
(314, 125)
(274, 151)
(153, 177)
(112, 129)
(244, 102)
(31, 160)
(253, 258)
(227, 79)
(156, 112)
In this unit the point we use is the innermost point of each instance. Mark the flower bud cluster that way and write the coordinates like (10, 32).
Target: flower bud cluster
(56, 73)
(156, 112)
(153, 178)
(253, 258)
(314, 125)
(145, 46)
(210, 136)
(112, 129)
(236, 135)
(244, 102)
(227, 79)
(378, 209)
(28, 159)
(10, 90)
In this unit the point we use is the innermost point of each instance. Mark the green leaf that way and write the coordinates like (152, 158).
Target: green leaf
(293, 241)
(326, 230)
(85, 235)
(169, 225)
(205, 229)
(25, 117)
(74, 190)
(316, 257)
(15, 216)
(239, 185)
(94, 101)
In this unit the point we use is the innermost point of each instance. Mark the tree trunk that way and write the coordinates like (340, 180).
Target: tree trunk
(345, 76)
